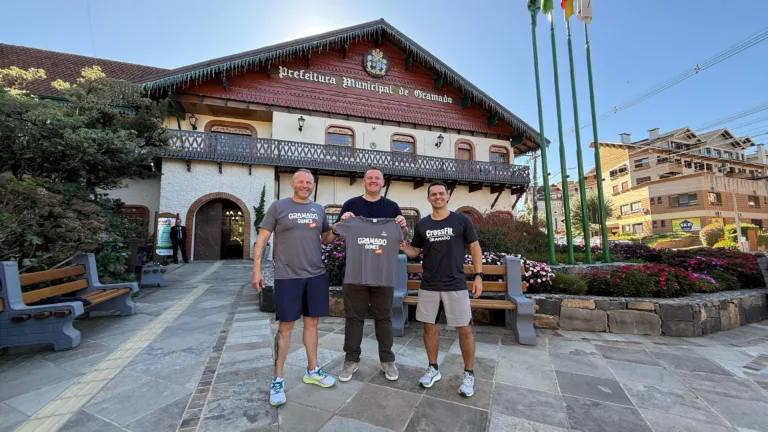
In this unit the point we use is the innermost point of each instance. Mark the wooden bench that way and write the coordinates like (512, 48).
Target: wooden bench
(519, 309)
(24, 321)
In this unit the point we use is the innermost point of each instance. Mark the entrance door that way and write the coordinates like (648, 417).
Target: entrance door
(758, 222)
(208, 231)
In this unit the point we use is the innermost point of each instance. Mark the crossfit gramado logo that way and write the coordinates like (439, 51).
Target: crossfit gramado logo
(440, 235)
(304, 218)
(372, 242)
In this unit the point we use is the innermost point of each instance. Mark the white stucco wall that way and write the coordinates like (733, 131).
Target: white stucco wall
(336, 190)
(286, 127)
(140, 192)
(179, 188)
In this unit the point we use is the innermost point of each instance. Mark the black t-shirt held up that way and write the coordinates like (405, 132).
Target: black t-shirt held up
(381, 208)
(443, 243)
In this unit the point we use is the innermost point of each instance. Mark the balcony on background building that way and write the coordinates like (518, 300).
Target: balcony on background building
(324, 158)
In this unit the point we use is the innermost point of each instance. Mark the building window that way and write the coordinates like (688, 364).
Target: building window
(687, 164)
(615, 189)
(708, 167)
(637, 228)
(663, 224)
(714, 198)
(499, 154)
(728, 155)
(230, 127)
(624, 209)
(332, 213)
(662, 159)
(698, 166)
(642, 163)
(716, 152)
(636, 207)
(658, 201)
(642, 180)
(411, 216)
(626, 229)
(682, 200)
(465, 150)
(655, 224)
(341, 136)
(754, 201)
(619, 171)
(403, 143)
(653, 201)
(624, 186)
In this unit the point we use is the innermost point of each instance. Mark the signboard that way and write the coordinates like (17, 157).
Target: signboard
(720, 221)
(686, 225)
(163, 247)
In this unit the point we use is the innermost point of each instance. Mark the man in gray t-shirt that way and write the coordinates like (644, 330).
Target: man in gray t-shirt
(372, 248)
(301, 284)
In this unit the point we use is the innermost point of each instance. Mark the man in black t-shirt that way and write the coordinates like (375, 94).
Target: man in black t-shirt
(443, 236)
(379, 297)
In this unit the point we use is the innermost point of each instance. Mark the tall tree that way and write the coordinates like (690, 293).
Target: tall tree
(593, 211)
(258, 212)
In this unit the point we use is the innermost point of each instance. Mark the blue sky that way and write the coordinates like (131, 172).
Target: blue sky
(635, 45)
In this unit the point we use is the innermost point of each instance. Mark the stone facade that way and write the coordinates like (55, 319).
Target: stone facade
(696, 315)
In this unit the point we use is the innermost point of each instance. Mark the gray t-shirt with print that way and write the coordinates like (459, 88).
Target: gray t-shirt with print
(297, 227)
(372, 248)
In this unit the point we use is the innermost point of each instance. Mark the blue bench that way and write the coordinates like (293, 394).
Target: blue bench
(26, 319)
(519, 309)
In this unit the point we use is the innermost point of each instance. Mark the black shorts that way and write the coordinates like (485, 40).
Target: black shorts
(297, 297)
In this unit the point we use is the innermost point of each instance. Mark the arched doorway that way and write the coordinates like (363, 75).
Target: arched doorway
(221, 228)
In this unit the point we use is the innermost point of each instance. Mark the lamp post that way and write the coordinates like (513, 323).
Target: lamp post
(193, 121)
(439, 141)
(301, 123)
(533, 8)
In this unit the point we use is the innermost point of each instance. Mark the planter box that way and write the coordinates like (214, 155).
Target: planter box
(152, 275)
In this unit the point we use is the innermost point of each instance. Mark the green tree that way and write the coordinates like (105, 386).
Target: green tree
(593, 212)
(57, 159)
(258, 212)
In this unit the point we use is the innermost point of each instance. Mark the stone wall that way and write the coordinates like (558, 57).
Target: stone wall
(691, 316)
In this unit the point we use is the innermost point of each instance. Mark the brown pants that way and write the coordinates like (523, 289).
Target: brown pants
(356, 301)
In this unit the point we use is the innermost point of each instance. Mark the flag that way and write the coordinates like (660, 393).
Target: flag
(546, 6)
(585, 11)
(567, 6)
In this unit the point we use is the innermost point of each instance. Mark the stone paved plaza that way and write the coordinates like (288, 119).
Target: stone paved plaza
(208, 365)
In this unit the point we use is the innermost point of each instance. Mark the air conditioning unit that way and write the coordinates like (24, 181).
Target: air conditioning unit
(718, 213)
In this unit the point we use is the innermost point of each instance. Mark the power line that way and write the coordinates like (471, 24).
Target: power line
(718, 58)
(747, 112)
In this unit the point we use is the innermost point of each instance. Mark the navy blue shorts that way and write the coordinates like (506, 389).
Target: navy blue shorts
(297, 297)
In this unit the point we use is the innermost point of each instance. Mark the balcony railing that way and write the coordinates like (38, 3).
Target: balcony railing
(263, 151)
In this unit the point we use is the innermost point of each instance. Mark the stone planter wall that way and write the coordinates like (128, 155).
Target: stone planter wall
(691, 316)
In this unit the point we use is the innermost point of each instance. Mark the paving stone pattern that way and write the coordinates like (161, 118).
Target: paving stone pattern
(210, 371)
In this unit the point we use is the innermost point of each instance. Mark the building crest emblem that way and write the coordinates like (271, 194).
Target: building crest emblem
(376, 63)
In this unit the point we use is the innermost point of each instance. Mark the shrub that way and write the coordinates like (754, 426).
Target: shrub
(619, 282)
(626, 236)
(634, 251)
(731, 232)
(726, 281)
(499, 233)
(651, 280)
(568, 284)
(653, 240)
(743, 266)
(711, 234)
(726, 244)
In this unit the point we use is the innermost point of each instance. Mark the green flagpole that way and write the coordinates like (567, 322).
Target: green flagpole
(598, 169)
(582, 188)
(563, 168)
(533, 7)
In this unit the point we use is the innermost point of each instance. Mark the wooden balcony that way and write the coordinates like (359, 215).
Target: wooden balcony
(340, 159)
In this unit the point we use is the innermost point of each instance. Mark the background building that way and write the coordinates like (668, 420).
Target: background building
(683, 181)
(334, 103)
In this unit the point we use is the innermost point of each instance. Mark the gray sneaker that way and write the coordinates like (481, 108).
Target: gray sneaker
(390, 371)
(347, 371)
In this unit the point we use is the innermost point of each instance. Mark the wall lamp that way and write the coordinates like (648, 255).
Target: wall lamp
(301, 123)
(193, 121)
(439, 141)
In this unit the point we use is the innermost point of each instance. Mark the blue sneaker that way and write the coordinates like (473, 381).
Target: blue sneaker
(277, 392)
(318, 377)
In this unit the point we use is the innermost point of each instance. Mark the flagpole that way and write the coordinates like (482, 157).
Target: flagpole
(534, 10)
(563, 168)
(598, 169)
(582, 188)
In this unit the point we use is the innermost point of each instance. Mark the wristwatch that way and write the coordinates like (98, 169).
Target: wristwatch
(481, 274)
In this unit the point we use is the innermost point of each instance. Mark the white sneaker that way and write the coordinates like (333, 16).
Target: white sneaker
(467, 388)
(431, 376)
